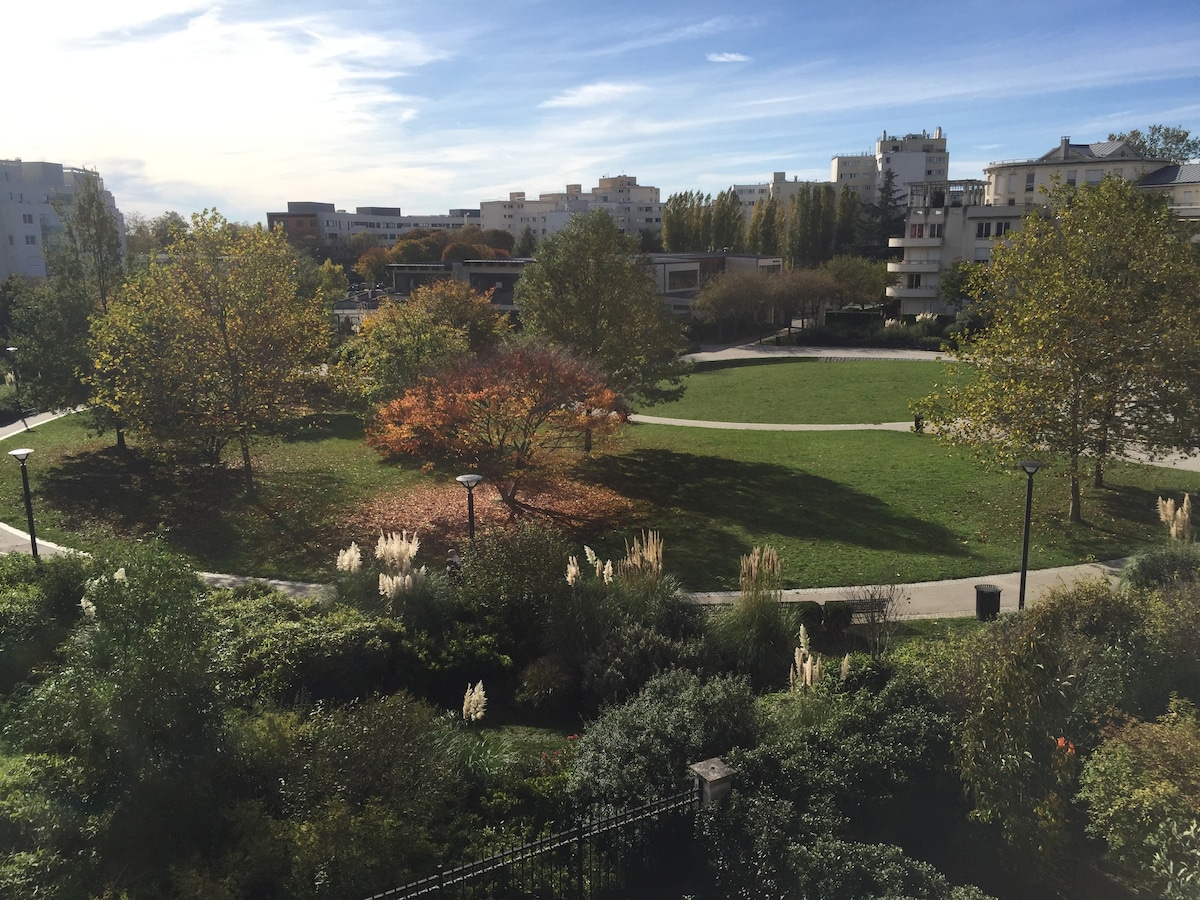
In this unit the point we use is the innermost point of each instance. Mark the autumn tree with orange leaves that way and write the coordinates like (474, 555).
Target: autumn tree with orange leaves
(508, 414)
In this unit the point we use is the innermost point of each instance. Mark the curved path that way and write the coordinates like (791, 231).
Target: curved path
(929, 599)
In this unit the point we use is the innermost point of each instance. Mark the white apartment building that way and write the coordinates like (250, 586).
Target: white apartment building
(778, 188)
(27, 218)
(960, 220)
(913, 159)
(633, 206)
(327, 225)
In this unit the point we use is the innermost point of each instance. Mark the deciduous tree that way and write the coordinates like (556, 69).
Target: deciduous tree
(509, 414)
(205, 347)
(1093, 341)
(1162, 142)
(589, 290)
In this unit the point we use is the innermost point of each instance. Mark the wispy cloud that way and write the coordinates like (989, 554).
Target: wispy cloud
(592, 95)
(728, 57)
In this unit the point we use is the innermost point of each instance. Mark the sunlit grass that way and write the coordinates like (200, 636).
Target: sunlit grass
(802, 391)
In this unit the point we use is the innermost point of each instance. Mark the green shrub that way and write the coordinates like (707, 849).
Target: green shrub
(1139, 784)
(837, 616)
(1163, 566)
(510, 579)
(810, 614)
(641, 749)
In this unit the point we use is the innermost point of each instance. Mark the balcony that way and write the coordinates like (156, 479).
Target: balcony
(914, 242)
(922, 265)
(907, 293)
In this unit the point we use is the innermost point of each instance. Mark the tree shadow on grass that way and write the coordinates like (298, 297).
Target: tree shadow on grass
(200, 511)
(711, 498)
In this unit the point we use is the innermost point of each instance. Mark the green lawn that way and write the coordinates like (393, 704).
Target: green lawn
(802, 391)
(840, 507)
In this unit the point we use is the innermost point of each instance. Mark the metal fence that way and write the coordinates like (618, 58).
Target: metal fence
(601, 856)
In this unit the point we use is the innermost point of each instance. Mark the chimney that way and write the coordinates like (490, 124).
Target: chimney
(1064, 146)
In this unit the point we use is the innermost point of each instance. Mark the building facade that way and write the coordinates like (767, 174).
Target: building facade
(28, 219)
(324, 224)
(960, 220)
(912, 158)
(634, 207)
(1024, 182)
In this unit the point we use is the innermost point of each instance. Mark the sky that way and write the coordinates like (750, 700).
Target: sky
(244, 105)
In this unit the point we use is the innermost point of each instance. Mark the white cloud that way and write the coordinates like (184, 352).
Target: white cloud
(591, 95)
(728, 57)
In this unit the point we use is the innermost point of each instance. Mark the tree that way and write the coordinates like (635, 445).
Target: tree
(1093, 341)
(406, 339)
(525, 244)
(372, 265)
(954, 284)
(1162, 142)
(884, 218)
(508, 414)
(860, 281)
(589, 290)
(206, 347)
(728, 221)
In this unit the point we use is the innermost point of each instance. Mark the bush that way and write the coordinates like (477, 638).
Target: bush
(837, 616)
(1138, 783)
(641, 749)
(1163, 566)
(510, 579)
(810, 614)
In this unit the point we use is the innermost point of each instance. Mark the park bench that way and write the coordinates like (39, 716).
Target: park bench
(867, 609)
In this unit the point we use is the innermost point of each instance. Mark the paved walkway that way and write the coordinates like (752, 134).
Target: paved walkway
(927, 599)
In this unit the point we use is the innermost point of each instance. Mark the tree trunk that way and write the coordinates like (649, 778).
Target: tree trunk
(1076, 511)
(121, 440)
(1098, 474)
(247, 466)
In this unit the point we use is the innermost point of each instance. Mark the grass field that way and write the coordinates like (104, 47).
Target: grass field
(840, 507)
(802, 391)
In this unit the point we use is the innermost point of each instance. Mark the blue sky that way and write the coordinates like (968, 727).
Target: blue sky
(242, 106)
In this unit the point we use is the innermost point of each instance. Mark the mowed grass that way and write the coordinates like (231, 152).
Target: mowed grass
(85, 493)
(845, 507)
(802, 391)
(866, 507)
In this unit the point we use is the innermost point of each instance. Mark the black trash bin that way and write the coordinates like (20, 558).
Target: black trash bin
(987, 602)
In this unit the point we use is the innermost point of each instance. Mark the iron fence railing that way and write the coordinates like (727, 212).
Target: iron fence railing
(593, 859)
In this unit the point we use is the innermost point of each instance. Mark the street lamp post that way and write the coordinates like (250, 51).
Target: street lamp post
(1030, 466)
(469, 482)
(21, 455)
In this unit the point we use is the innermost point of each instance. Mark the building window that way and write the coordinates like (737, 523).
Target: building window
(983, 229)
(916, 231)
(31, 239)
(27, 218)
(914, 281)
(1002, 228)
(935, 231)
(1029, 183)
(682, 279)
(1071, 177)
(1092, 176)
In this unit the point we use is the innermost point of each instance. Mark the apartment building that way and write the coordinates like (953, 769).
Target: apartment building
(912, 158)
(325, 224)
(960, 220)
(634, 207)
(1023, 182)
(27, 217)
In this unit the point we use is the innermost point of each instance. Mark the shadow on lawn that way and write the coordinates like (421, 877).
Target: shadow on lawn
(198, 510)
(768, 499)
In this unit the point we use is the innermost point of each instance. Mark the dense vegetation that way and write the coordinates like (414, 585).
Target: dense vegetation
(164, 739)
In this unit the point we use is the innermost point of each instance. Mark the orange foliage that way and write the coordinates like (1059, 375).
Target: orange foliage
(508, 414)
(438, 512)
